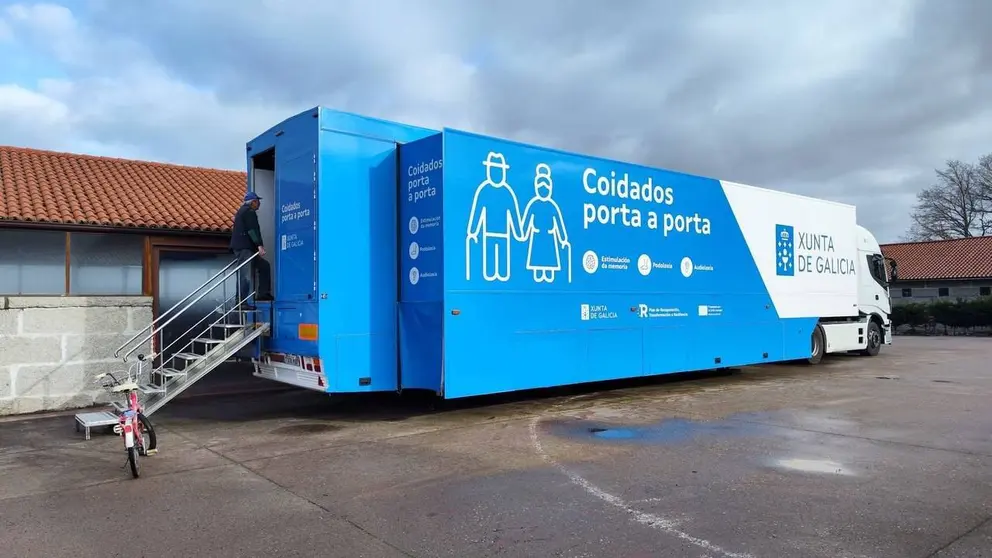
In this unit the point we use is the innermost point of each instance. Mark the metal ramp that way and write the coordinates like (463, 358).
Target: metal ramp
(205, 345)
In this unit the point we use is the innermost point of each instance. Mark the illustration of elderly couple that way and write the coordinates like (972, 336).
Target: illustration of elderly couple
(496, 215)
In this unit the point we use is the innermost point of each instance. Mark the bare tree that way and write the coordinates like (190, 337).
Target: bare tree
(958, 205)
(983, 171)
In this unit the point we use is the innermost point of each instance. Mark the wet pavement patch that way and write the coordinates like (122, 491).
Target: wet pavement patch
(824, 466)
(304, 429)
(670, 430)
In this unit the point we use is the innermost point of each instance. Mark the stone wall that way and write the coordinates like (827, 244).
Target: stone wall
(51, 348)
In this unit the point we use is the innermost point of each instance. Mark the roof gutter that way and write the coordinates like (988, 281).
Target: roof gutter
(76, 227)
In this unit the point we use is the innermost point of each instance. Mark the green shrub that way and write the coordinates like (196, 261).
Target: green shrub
(912, 314)
(952, 316)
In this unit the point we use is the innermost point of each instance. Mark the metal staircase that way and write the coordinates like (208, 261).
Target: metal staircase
(165, 373)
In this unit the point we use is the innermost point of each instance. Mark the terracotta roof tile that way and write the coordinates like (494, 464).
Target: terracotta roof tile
(66, 188)
(964, 258)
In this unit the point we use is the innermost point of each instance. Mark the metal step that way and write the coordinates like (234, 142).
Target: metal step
(208, 341)
(94, 419)
(151, 388)
(188, 356)
(239, 309)
(170, 372)
(204, 364)
(249, 310)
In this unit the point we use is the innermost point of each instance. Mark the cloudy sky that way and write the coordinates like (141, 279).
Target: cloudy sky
(852, 100)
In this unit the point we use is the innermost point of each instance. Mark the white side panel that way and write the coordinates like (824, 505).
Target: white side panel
(844, 337)
(806, 249)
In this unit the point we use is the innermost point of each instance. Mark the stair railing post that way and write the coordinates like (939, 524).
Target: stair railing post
(224, 287)
(241, 296)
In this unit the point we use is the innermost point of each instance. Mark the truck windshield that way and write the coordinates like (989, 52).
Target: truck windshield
(876, 265)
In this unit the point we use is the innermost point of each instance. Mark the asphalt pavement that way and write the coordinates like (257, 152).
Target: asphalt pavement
(888, 456)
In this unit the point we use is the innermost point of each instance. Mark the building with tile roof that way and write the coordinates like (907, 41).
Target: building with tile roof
(952, 269)
(91, 248)
(90, 209)
(46, 187)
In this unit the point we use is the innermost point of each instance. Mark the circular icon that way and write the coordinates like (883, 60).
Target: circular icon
(644, 264)
(414, 275)
(590, 261)
(414, 225)
(686, 266)
(414, 250)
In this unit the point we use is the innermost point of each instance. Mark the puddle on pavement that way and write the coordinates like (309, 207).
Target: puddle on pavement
(670, 430)
(824, 466)
(304, 429)
(792, 447)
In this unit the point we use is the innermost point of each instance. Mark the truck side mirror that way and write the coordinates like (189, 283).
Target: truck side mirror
(893, 270)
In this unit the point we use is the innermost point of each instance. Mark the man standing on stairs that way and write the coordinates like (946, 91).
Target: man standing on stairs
(246, 239)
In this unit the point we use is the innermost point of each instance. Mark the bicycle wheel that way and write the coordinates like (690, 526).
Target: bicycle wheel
(147, 428)
(132, 460)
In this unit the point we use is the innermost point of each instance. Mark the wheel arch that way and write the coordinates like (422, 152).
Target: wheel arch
(818, 331)
(877, 318)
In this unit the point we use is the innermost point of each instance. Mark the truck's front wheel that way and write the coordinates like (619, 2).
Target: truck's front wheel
(874, 339)
(817, 345)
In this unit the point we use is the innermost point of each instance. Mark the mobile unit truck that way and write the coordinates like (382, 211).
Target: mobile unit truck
(409, 258)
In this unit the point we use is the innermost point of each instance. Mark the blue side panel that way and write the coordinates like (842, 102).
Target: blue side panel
(296, 223)
(421, 269)
(357, 259)
(294, 270)
(796, 333)
(572, 269)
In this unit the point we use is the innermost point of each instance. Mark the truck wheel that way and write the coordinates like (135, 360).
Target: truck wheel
(874, 339)
(817, 345)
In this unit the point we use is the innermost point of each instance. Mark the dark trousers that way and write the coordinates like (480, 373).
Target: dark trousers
(258, 266)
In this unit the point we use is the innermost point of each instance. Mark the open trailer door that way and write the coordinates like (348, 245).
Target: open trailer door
(421, 266)
(295, 312)
(297, 243)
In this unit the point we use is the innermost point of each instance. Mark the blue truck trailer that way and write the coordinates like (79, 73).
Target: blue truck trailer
(442, 260)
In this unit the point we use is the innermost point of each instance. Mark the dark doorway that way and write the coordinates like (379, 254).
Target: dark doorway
(181, 272)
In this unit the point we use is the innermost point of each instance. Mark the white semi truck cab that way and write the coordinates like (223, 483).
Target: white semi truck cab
(873, 280)
(872, 327)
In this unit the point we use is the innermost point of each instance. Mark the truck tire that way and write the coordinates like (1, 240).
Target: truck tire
(817, 345)
(874, 339)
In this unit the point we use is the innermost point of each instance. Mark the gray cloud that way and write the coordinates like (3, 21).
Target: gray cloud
(850, 100)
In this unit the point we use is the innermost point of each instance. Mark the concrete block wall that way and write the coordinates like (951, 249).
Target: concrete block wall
(52, 348)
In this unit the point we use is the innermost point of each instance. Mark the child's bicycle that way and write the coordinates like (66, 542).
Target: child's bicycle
(134, 426)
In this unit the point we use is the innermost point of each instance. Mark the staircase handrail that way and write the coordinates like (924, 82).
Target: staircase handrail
(160, 327)
(220, 307)
(117, 352)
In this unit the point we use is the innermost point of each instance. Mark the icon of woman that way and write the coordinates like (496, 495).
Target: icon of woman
(544, 229)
